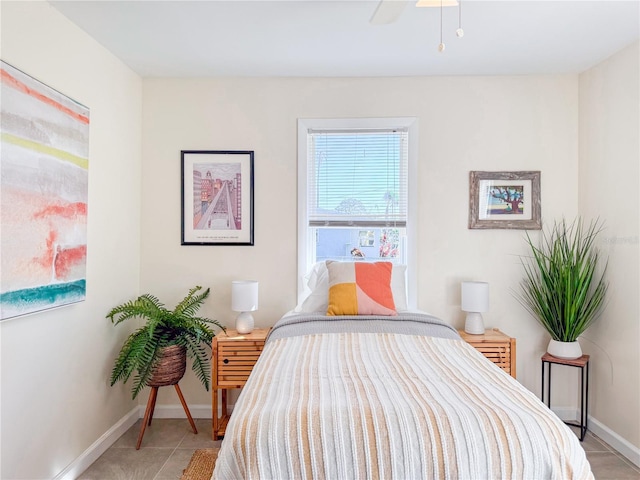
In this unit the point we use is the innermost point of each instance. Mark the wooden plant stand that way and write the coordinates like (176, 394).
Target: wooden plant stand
(169, 371)
(151, 405)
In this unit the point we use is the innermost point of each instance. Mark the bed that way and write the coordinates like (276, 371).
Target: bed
(379, 396)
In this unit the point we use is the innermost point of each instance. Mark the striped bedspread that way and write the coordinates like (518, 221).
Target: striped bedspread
(356, 405)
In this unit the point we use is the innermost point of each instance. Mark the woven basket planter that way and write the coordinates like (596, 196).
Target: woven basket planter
(171, 366)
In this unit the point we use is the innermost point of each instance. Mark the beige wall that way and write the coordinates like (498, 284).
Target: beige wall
(55, 400)
(465, 123)
(608, 184)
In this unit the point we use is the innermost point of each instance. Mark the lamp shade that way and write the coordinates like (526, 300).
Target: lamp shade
(244, 295)
(475, 296)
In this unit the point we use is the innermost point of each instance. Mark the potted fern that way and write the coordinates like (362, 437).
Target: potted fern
(157, 351)
(564, 285)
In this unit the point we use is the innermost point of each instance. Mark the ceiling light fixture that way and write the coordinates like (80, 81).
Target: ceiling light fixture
(460, 31)
(441, 47)
(442, 4)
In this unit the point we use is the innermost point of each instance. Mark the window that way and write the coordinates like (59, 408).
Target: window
(355, 191)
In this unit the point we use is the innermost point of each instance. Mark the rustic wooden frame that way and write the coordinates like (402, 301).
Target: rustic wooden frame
(507, 222)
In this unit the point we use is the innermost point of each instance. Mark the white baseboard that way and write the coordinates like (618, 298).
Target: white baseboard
(97, 448)
(91, 454)
(176, 411)
(566, 414)
(631, 452)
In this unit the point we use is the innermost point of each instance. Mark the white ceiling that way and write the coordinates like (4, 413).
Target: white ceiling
(335, 37)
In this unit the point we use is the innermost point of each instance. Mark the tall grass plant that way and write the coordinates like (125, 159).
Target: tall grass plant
(564, 286)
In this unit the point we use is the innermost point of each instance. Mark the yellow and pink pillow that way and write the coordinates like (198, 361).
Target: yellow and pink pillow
(360, 288)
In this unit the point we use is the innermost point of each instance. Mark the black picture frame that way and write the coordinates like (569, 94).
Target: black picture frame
(217, 197)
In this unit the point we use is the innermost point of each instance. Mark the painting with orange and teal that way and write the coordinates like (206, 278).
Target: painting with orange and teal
(44, 160)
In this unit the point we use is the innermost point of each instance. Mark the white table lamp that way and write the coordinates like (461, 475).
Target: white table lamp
(475, 300)
(244, 299)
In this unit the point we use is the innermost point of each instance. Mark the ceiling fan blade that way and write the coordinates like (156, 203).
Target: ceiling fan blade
(388, 11)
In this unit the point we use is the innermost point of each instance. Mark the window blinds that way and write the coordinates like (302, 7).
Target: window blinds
(357, 178)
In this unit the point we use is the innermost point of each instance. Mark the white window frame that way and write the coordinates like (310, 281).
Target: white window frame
(305, 247)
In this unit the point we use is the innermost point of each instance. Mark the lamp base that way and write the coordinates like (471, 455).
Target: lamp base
(244, 322)
(474, 323)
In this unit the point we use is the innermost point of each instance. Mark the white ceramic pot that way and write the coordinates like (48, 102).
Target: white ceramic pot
(565, 350)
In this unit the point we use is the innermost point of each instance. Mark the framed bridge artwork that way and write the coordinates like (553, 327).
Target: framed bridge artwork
(44, 172)
(217, 197)
(504, 200)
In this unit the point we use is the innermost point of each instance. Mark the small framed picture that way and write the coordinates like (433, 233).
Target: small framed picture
(367, 238)
(504, 200)
(217, 197)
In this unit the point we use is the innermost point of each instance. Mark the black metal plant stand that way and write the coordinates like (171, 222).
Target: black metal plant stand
(583, 364)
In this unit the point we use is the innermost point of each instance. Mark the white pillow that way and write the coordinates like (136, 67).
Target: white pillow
(318, 276)
(318, 283)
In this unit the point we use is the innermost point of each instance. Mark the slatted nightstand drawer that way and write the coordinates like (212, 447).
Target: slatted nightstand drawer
(498, 353)
(236, 360)
(496, 346)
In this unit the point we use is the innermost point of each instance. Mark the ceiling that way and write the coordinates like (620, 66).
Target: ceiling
(336, 38)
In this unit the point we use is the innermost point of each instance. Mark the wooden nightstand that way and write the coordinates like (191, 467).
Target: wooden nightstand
(496, 346)
(233, 358)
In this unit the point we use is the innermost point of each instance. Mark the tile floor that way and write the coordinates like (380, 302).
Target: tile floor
(606, 463)
(169, 443)
(166, 449)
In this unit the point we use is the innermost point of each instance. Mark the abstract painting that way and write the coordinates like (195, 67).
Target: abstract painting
(43, 209)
